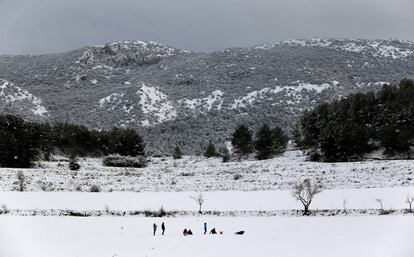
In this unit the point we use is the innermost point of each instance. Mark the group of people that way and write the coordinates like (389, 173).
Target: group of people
(154, 226)
(188, 232)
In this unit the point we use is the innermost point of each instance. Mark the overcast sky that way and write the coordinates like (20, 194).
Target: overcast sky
(43, 26)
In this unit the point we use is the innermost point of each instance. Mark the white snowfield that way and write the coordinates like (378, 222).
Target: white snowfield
(392, 198)
(381, 236)
(200, 174)
(235, 186)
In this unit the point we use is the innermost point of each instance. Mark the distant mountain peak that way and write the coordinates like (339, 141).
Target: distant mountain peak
(124, 53)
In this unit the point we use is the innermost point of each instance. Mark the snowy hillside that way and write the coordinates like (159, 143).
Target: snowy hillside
(169, 94)
(20, 101)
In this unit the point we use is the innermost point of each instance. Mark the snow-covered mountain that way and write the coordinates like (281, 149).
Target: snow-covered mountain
(178, 97)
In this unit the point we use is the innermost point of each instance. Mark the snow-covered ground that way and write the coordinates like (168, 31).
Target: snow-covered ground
(392, 198)
(384, 236)
(200, 174)
(244, 188)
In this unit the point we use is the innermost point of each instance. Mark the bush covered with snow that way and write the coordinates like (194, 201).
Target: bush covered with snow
(116, 160)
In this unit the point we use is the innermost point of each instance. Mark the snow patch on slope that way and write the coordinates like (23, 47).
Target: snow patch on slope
(9, 93)
(206, 103)
(156, 104)
(290, 91)
(113, 99)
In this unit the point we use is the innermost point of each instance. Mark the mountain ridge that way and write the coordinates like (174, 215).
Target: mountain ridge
(176, 97)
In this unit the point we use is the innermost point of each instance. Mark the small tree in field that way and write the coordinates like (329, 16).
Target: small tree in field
(177, 153)
(305, 192)
(210, 151)
(344, 203)
(199, 199)
(409, 200)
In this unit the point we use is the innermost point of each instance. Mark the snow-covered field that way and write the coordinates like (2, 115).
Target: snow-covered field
(392, 198)
(383, 236)
(199, 174)
(243, 188)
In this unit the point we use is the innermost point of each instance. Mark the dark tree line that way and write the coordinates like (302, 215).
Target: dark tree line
(23, 142)
(267, 142)
(346, 129)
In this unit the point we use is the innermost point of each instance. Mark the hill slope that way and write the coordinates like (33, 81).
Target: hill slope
(179, 97)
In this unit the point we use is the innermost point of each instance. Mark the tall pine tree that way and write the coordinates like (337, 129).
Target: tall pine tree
(264, 143)
(242, 140)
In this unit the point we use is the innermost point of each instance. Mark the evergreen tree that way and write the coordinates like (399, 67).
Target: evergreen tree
(279, 140)
(177, 153)
(126, 142)
(210, 151)
(242, 140)
(264, 143)
(269, 142)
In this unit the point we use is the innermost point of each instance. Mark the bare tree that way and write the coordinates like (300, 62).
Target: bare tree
(304, 192)
(21, 180)
(199, 199)
(379, 201)
(409, 200)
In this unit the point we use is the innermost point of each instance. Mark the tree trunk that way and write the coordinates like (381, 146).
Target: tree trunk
(306, 211)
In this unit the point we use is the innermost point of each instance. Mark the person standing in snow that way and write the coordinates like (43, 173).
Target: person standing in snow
(163, 228)
(154, 226)
(205, 228)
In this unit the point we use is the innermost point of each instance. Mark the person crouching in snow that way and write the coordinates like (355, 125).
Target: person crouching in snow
(213, 231)
(185, 232)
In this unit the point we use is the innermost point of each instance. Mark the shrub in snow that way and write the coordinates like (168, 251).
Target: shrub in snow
(21, 180)
(73, 165)
(210, 151)
(225, 154)
(160, 213)
(237, 176)
(95, 189)
(116, 160)
(4, 209)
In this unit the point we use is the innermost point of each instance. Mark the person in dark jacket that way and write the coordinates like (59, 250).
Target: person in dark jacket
(163, 228)
(213, 231)
(205, 228)
(154, 226)
(190, 233)
(185, 232)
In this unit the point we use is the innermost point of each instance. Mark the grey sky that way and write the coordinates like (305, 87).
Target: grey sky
(41, 26)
